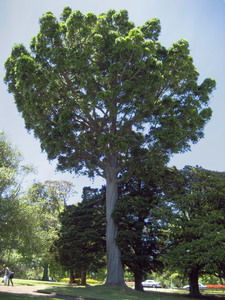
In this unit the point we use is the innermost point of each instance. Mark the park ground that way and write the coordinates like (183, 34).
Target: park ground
(25, 290)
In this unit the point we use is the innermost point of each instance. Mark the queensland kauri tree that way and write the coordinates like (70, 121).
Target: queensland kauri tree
(93, 89)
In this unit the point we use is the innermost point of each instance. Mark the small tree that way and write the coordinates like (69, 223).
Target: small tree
(94, 88)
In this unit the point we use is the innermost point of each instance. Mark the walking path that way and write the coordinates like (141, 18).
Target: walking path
(24, 290)
(32, 291)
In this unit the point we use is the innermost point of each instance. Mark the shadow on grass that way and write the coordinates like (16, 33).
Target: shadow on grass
(112, 293)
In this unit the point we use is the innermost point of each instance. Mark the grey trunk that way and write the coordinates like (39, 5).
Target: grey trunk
(45, 273)
(115, 276)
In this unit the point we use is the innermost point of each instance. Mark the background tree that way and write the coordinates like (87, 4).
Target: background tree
(195, 199)
(93, 88)
(138, 231)
(81, 244)
(12, 213)
(47, 201)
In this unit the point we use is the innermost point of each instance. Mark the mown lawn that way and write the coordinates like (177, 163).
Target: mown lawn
(37, 282)
(98, 292)
(108, 293)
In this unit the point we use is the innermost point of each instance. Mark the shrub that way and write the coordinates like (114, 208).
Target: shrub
(92, 281)
(78, 281)
(67, 280)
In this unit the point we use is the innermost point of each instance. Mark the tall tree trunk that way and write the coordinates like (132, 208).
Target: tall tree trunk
(83, 276)
(71, 276)
(115, 276)
(193, 282)
(138, 280)
(45, 273)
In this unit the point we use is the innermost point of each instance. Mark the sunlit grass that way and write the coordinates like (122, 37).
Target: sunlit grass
(111, 293)
(37, 282)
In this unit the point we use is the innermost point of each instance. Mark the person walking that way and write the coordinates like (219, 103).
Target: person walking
(11, 276)
(6, 276)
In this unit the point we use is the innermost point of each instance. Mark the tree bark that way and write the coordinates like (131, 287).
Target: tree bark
(71, 276)
(115, 275)
(83, 277)
(193, 282)
(138, 281)
(45, 273)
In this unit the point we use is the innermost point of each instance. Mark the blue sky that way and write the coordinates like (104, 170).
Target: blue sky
(201, 22)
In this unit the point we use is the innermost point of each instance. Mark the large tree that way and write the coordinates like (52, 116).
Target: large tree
(95, 88)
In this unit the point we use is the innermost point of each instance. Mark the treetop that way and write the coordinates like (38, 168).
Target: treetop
(92, 85)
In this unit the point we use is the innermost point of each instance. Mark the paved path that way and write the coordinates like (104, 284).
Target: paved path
(32, 290)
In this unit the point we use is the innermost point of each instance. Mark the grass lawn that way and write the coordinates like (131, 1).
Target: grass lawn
(98, 292)
(37, 282)
(108, 293)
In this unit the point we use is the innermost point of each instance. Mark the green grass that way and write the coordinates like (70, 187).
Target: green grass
(37, 282)
(96, 292)
(110, 293)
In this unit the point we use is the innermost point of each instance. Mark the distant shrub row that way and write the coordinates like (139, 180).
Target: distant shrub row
(78, 281)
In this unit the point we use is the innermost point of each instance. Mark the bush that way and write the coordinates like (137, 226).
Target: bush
(78, 281)
(66, 280)
(92, 281)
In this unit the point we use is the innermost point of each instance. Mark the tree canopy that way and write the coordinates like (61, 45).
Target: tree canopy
(81, 243)
(138, 230)
(195, 220)
(47, 201)
(95, 89)
(13, 213)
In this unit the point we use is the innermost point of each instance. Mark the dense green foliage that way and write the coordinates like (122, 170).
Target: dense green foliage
(138, 230)
(195, 212)
(81, 243)
(15, 218)
(90, 83)
(28, 218)
(47, 202)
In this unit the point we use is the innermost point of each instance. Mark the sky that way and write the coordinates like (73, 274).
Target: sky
(200, 22)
